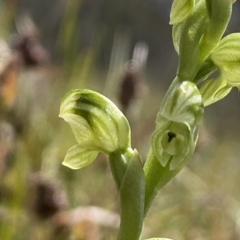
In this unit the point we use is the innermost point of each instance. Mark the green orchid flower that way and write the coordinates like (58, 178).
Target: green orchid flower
(197, 28)
(175, 137)
(226, 57)
(98, 125)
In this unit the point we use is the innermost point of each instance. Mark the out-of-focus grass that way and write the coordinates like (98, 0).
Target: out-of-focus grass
(201, 203)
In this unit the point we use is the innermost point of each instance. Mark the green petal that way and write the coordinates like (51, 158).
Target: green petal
(81, 129)
(219, 13)
(228, 50)
(183, 104)
(189, 49)
(95, 121)
(79, 157)
(205, 71)
(176, 35)
(231, 72)
(181, 9)
(173, 144)
(227, 57)
(214, 90)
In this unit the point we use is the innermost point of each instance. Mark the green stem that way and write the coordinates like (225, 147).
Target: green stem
(156, 177)
(129, 177)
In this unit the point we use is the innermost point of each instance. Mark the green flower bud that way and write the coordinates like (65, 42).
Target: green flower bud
(181, 9)
(183, 104)
(187, 36)
(174, 139)
(219, 13)
(97, 124)
(198, 27)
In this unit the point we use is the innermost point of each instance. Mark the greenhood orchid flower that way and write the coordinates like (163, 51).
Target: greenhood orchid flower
(226, 57)
(98, 125)
(198, 26)
(175, 137)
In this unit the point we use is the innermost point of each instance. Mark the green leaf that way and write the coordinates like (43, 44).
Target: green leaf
(78, 157)
(181, 9)
(129, 176)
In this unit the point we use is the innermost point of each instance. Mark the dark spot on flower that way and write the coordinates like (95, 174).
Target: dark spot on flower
(171, 136)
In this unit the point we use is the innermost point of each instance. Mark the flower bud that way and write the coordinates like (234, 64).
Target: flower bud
(180, 10)
(219, 13)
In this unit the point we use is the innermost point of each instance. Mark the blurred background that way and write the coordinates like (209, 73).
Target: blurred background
(124, 50)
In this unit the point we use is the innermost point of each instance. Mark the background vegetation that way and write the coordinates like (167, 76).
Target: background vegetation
(87, 44)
